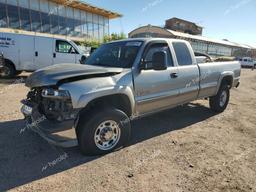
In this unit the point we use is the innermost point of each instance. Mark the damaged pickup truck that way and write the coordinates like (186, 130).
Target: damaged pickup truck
(121, 80)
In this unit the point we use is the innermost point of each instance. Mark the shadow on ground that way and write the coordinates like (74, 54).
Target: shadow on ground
(25, 156)
(19, 79)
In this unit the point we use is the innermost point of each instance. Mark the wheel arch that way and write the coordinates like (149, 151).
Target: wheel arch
(10, 62)
(119, 100)
(226, 77)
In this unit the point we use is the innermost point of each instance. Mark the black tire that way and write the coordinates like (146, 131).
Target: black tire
(217, 104)
(8, 71)
(90, 122)
(83, 59)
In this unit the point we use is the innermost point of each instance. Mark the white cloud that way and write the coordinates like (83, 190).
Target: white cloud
(236, 6)
(151, 4)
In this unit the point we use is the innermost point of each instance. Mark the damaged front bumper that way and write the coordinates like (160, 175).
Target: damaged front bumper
(59, 133)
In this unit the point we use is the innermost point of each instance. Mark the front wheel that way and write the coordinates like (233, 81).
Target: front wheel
(8, 71)
(219, 102)
(103, 131)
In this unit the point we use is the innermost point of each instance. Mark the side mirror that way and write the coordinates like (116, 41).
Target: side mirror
(73, 51)
(159, 61)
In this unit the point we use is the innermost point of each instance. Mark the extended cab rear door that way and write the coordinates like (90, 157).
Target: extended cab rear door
(188, 72)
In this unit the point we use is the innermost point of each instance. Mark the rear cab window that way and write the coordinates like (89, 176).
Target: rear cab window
(182, 53)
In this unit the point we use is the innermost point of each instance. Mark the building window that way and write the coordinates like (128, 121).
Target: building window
(35, 21)
(62, 26)
(35, 16)
(106, 26)
(70, 21)
(95, 26)
(45, 17)
(44, 6)
(90, 25)
(77, 23)
(13, 15)
(3, 15)
(84, 24)
(25, 19)
(54, 24)
(62, 21)
(53, 7)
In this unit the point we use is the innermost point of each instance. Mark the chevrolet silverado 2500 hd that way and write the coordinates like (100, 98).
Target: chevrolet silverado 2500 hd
(122, 80)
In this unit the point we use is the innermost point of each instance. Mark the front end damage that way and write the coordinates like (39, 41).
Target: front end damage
(49, 112)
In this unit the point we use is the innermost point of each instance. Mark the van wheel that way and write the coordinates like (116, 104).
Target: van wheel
(18, 72)
(8, 71)
(219, 102)
(103, 131)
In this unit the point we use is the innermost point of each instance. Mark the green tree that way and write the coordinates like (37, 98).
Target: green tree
(114, 37)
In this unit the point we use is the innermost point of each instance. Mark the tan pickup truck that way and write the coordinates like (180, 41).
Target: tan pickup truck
(122, 80)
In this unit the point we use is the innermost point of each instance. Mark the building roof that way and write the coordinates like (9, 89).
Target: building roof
(78, 4)
(189, 36)
(202, 38)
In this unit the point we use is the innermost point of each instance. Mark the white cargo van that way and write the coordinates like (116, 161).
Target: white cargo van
(31, 52)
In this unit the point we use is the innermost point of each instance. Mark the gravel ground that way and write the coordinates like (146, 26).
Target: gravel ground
(188, 148)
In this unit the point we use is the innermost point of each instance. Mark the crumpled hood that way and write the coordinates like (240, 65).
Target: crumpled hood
(52, 75)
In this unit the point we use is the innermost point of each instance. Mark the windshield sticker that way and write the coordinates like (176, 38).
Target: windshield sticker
(135, 43)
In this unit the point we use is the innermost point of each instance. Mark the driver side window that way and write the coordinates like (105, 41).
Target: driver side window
(156, 48)
(64, 47)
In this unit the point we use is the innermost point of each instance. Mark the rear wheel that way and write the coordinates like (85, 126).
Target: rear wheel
(8, 71)
(219, 102)
(103, 131)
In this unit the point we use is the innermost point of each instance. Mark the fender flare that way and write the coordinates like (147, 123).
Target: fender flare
(224, 75)
(85, 99)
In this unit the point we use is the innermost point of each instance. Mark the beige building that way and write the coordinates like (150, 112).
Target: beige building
(199, 43)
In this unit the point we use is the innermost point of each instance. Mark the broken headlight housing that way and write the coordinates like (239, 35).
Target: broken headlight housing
(55, 94)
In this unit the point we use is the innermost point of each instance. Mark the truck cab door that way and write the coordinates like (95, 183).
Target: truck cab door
(64, 52)
(156, 90)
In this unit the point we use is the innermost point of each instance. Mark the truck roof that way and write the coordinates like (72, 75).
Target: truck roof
(146, 39)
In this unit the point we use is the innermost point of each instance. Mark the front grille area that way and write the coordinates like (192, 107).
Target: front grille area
(53, 109)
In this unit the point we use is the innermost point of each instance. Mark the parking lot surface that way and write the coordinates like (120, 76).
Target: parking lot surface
(188, 148)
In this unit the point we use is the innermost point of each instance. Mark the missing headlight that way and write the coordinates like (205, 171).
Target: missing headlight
(55, 94)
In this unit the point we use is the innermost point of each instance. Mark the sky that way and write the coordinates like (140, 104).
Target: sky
(234, 20)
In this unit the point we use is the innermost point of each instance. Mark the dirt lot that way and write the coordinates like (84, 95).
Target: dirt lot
(188, 148)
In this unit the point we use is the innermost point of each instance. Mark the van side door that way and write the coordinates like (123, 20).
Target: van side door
(64, 52)
(189, 77)
(43, 52)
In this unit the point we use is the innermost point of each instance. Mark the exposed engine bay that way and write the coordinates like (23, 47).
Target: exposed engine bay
(54, 107)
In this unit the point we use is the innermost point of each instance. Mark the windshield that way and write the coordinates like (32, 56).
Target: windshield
(118, 54)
